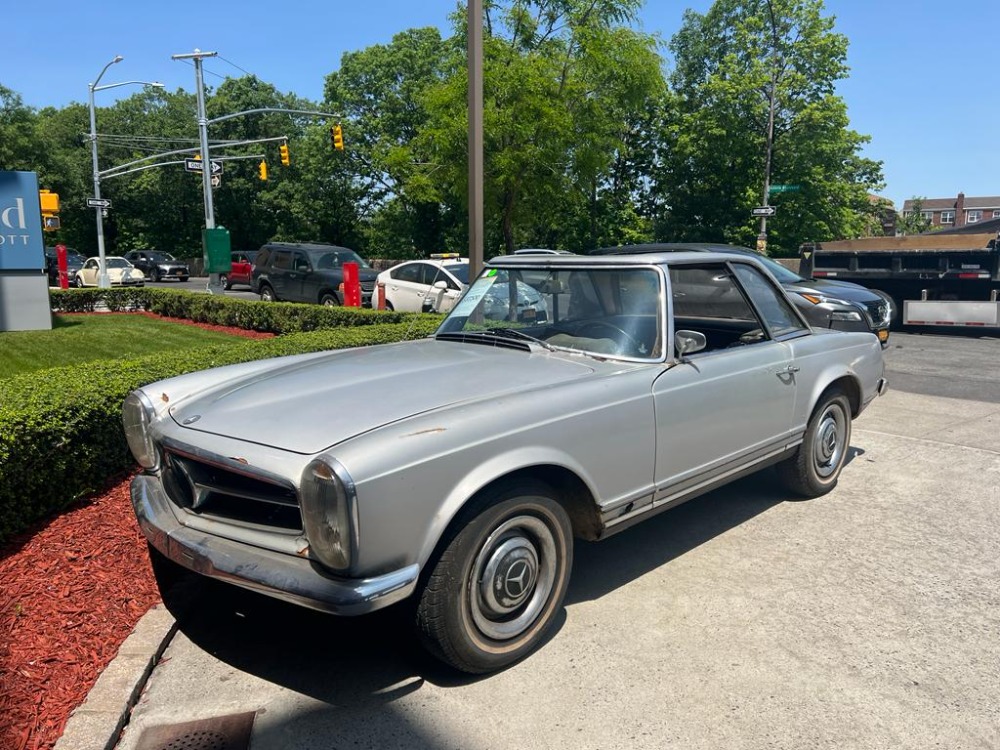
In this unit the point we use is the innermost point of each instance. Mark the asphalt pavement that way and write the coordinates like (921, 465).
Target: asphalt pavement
(864, 619)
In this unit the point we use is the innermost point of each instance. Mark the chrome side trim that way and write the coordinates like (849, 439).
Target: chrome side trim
(291, 578)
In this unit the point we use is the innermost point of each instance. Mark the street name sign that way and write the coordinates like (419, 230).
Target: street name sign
(196, 165)
(98, 203)
(763, 211)
(784, 188)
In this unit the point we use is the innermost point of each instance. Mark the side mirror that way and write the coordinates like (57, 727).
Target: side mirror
(442, 284)
(689, 342)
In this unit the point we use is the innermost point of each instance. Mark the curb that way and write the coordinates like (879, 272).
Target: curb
(98, 721)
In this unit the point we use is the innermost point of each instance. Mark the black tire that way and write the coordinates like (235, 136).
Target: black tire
(815, 467)
(329, 299)
(182, 279)
(78, 282)
(154, 275)
(267, 294)
(494, 592)
(224, 280)
(388, 305)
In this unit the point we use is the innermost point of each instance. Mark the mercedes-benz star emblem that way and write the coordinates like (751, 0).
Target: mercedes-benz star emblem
(514, 581)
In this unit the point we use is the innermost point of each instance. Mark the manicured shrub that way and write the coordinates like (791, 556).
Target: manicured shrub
(60, 429)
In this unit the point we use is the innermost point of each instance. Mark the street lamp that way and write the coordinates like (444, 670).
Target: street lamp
(102, 271)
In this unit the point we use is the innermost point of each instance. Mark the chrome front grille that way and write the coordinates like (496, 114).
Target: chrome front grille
(216, 491)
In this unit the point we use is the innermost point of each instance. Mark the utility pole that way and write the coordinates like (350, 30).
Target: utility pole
(474, 51)
(773, 95)
(214, 283)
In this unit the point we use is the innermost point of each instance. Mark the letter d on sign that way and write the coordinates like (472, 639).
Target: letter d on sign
(19, 207)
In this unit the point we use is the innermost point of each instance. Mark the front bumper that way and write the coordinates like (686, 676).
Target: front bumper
(293, 579)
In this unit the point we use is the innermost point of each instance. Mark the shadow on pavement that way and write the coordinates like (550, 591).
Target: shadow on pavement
(370, 661)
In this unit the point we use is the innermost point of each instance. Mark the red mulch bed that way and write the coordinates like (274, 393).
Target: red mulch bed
(71, 591)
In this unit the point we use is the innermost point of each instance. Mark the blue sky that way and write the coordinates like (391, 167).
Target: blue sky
(923, 75)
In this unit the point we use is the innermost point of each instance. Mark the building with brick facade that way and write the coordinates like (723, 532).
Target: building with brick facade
(956, 212)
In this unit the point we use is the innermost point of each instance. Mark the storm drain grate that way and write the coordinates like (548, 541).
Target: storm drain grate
(217, 733)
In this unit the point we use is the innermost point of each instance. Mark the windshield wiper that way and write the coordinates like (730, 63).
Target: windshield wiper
(516, 334)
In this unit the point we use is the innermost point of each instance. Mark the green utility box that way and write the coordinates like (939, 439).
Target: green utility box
(215, 246)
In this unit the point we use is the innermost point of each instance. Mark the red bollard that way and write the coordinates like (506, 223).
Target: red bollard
(63, 267)
(352, 285)
(380, 295)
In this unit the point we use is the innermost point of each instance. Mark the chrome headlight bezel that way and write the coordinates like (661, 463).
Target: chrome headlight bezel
(328, 500)
(138, 413)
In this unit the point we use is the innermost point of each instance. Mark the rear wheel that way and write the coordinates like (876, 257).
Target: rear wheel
(224, 280)
(267, 294)
(494, 593)
(816, 465)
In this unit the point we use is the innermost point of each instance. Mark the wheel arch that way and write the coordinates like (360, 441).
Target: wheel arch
(569, 489)
(849, 385)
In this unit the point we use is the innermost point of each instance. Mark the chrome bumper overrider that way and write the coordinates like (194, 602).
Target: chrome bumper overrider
(297, 580)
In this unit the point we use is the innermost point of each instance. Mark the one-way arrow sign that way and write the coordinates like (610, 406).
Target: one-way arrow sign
(196, 165)
(98, 203)
(763, 211)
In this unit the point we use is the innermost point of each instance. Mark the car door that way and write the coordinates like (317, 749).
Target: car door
(730, 406)
(281, 266)
(303, 281)
(89, 272)
(406, 288)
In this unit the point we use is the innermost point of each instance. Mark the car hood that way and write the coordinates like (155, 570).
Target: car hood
(308, 406)
(838, 289)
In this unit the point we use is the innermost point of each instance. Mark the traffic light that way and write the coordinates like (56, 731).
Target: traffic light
(262, 170)
(337, 137)
(49, 201)
(283, 148)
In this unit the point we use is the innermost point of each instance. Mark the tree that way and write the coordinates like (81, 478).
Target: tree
(913, 221)
(755, 86)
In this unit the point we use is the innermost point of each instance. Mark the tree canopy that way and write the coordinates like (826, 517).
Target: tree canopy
(591, 139)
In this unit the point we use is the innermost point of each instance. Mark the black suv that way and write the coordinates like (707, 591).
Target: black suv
(74, 262)
(300, 272)
(157, 265)
(824, 303)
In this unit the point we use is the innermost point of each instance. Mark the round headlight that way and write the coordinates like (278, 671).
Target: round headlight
(137, 415)
(329, 513)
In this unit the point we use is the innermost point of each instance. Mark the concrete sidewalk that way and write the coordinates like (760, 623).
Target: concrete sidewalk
(867, 618)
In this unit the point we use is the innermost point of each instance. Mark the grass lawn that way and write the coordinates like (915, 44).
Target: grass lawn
(86, 338)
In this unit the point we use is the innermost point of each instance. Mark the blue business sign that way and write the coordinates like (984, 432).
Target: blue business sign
(21, 243)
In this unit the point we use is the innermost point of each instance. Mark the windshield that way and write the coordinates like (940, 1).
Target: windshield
(335, 258)
(782, 274)
(117, 263)
(459, 270)
(598, 311)
(158, 257)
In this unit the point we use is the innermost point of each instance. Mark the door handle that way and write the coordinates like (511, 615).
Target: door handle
(791, 369)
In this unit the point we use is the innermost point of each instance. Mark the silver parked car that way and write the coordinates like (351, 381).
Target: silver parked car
(456, 471)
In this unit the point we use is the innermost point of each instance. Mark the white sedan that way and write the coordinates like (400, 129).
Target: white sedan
(120, 272)
(436, 284)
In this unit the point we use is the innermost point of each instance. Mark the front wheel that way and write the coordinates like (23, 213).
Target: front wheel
(816, 465)
(224, 280)
(154, 275)
(494, 593)
(267, 294)
(329, 299)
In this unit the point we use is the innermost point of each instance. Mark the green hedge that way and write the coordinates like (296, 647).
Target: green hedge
(252, 315)
(60, 429)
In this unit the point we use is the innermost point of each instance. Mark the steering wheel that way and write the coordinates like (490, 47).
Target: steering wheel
(621, 334)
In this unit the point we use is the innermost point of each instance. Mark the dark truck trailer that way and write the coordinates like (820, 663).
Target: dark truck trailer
(936, 279)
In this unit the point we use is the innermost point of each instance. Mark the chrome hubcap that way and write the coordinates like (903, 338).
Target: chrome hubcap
(512, 577)
(829, 444)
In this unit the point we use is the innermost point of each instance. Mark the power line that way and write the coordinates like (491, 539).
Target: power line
(244, 70)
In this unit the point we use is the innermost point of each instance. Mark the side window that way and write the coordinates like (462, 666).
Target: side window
(409, 273)
(777, 312)
(708, 300)
(283, 260)
(263, 256)
(431, 274)
(302, 262)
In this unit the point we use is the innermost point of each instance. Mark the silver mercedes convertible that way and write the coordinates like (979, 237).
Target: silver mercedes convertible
(454, 472)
